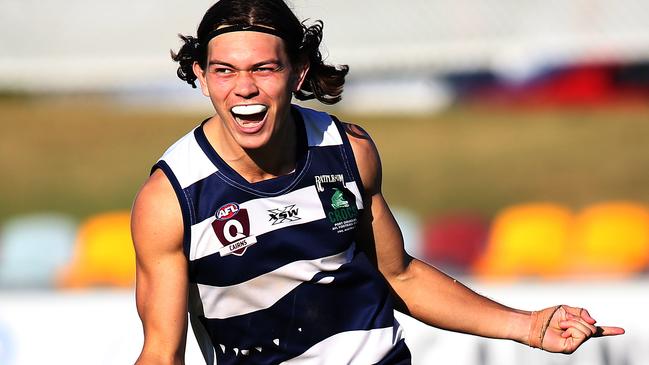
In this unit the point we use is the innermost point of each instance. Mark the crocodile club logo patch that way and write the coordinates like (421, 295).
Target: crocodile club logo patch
(338, 201)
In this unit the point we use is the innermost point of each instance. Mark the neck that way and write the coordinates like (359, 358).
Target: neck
(276, 158)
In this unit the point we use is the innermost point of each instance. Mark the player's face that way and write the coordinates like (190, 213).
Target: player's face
(250, 81)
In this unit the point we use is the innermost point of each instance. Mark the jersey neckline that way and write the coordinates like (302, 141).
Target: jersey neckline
(272, 186)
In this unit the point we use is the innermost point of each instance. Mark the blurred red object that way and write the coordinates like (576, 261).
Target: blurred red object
(454, 242)
(578, 85)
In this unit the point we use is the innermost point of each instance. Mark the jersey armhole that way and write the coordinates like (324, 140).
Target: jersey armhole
(184, 205)
(348, 152)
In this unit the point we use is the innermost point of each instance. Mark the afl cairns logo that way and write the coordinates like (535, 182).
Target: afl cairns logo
(232, 228)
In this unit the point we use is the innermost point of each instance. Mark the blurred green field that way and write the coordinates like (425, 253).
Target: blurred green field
(81, 156)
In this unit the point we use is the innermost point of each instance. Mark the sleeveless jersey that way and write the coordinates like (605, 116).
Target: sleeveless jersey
(275, 275)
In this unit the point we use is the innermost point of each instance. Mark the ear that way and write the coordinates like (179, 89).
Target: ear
(300, 74)
(200, 75)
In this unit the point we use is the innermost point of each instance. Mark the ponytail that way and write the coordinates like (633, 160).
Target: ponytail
(323, 82)
(189, 53)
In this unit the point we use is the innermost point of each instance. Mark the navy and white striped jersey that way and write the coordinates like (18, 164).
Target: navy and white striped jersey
(275, 275)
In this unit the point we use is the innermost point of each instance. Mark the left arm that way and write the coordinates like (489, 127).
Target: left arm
(437, 299)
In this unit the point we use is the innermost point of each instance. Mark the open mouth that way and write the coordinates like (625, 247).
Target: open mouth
(249, 116)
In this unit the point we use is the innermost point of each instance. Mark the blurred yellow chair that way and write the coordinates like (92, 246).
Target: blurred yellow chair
(527, 240)
(611, 239)
(103, 253)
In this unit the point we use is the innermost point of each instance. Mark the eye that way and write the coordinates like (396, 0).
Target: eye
(268, 68)
(265, 69)
(222, 70)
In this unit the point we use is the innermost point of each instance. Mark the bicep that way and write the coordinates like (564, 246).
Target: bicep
(161, 281)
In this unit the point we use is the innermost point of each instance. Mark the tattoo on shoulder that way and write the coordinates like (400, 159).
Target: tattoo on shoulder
(356, 131)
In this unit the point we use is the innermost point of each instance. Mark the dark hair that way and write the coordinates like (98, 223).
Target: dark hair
(323, 82)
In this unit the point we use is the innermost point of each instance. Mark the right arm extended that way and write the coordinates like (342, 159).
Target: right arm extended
(161, 281)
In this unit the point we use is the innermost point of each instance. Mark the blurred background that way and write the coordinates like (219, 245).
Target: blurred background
(513, 134)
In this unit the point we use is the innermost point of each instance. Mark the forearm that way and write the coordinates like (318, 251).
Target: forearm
(153, 358)
(438, 300)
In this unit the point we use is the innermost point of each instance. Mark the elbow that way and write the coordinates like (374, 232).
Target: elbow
(400, 273)
(399, 280)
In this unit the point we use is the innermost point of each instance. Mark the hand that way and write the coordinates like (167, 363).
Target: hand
(564, 329)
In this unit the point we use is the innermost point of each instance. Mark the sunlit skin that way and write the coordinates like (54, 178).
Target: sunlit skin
(251, 68)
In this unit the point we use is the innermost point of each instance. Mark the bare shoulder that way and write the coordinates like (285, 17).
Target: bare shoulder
(156, 218)
(366, 155)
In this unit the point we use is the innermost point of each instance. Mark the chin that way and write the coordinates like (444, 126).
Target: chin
(248, 142)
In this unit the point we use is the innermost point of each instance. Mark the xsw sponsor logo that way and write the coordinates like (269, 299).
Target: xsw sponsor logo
(282, 215)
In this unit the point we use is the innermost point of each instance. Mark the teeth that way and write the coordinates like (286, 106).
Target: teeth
(249, 109)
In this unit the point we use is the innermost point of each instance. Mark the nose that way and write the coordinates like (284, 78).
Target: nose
(246, 86)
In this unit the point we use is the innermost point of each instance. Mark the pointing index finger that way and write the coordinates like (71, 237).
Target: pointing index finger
(602, 331)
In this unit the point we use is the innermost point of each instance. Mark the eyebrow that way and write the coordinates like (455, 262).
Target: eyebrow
(262, 63)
